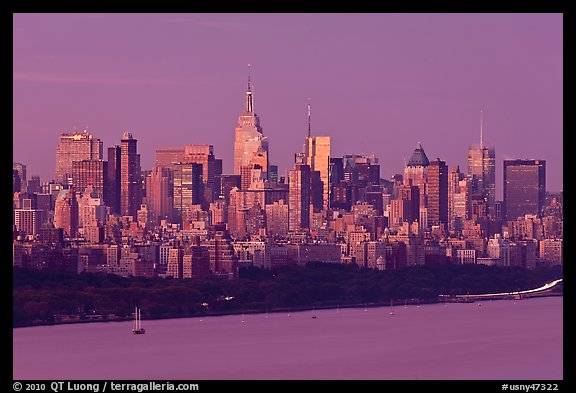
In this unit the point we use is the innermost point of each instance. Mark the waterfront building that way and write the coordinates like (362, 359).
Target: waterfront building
(551, 251)
(196, 262)
(223, 260)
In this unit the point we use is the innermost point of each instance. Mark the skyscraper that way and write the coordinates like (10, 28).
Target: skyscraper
(113, 178)
(75, 147)
(317, 153)
(160, 192)
(415, 172)
(21, 170)
(66, 212)
(458, 199)
(199, 154)
(299, 198)
(437, 185)
(204, 155)
(130, 182)
(524, 187)
(249, 141)
(91, 173)
(482, 169)
(187, 187)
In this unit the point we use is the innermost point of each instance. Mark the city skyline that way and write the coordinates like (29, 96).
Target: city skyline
(383, 85)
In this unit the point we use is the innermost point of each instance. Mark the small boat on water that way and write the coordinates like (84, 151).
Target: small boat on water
(138, 329)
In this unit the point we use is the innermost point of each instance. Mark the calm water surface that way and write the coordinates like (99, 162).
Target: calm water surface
(502, 340)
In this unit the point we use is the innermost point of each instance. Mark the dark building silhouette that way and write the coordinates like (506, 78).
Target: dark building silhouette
(437, 187)
(91, 173)
(113, 179)
(130, 177)
(524, 187)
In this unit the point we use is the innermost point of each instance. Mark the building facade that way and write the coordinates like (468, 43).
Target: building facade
(130, 176)
(524, 187)
(75, 147)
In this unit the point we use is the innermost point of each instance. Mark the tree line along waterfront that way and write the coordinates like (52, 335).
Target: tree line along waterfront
(52, 297)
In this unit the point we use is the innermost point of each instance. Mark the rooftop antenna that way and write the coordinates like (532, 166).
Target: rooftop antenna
(249, 99)
(309, 133)
(249, 87)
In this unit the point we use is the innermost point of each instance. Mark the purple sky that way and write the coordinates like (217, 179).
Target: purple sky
(378, 83)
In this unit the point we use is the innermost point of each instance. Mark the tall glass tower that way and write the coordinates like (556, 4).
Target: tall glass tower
(482, 171)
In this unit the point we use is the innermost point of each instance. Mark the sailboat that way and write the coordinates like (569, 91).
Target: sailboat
(138, 329)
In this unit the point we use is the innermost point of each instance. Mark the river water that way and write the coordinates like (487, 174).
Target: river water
(500, 339)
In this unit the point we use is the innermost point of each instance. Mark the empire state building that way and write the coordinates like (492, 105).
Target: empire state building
(250, 145)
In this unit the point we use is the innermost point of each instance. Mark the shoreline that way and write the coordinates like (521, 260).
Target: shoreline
(395, 302)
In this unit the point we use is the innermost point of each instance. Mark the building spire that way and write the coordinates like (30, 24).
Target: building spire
(249, 99)
(309, 132)
(249, 87)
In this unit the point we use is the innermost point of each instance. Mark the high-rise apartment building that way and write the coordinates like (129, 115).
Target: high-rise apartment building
(75, 147)
(130, 176)
(28, 220)
(249, 139)
(277, 218)
(524, 187)
(223, 259)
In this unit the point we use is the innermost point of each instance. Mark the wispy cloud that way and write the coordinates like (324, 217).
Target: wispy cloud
(92, 79)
